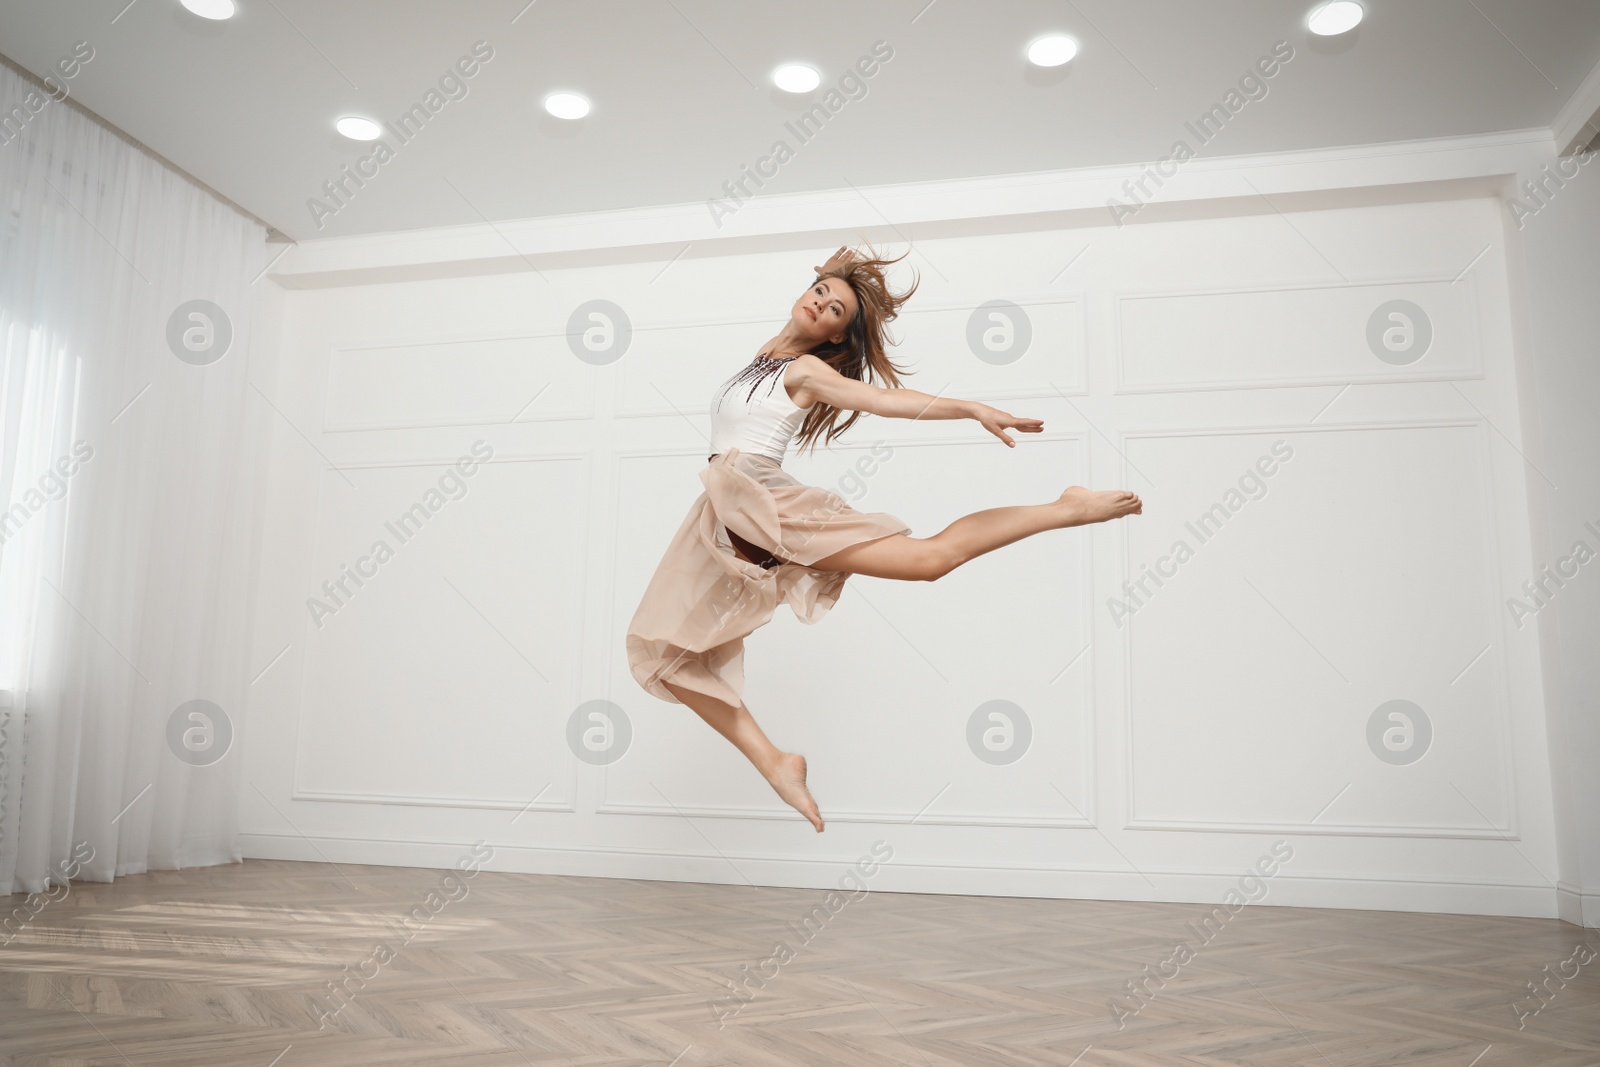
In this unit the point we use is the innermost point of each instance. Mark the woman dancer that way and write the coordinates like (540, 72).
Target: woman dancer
(757, 537)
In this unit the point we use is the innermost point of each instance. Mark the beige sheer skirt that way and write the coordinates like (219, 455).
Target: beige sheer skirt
(704, 599)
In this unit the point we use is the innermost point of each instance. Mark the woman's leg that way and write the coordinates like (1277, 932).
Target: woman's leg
(784, 771)
(924, 559)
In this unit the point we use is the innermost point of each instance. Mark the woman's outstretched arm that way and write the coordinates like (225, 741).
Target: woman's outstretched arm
(815, 380)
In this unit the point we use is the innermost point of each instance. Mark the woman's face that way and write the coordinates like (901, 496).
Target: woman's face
(824, 310)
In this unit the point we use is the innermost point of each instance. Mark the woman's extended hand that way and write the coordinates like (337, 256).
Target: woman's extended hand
(998, 422)
(837, 261)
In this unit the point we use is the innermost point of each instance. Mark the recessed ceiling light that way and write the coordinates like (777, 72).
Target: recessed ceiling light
(566, 105)
(210, 9)
(1337, 17)
(796, 78)
(1052, 51)
(358, 129)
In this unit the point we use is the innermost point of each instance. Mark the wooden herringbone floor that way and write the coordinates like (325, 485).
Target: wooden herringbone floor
(228, 965)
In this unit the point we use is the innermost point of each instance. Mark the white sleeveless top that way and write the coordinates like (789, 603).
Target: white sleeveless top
(752, 412)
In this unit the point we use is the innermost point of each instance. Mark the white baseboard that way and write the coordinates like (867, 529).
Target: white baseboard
(1577, 907)
(1286, 888)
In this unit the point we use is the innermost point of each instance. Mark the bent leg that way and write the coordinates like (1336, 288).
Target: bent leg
(784, 771)
(924, 559)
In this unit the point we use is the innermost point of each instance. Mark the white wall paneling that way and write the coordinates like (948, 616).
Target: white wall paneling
(1168, 749)
(468, 382)
(433, 654)
(1355, 566)
(1295, 335)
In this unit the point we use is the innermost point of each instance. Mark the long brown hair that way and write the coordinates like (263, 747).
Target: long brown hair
(863, 354)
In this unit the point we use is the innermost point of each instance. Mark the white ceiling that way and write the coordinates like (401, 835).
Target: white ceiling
(682, 96)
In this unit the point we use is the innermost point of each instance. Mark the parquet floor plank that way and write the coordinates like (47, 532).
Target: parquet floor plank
(237, 965)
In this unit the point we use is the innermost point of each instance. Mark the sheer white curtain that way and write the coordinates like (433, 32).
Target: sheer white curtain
(128, 477)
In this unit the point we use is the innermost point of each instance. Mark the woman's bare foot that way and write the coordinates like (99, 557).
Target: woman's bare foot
(1085, 506)
(788, 776)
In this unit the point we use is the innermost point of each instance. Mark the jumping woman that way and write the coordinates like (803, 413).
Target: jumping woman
(757, 537)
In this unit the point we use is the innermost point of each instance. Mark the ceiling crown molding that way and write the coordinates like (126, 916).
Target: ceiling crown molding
(1091, 196)
(1577, 124)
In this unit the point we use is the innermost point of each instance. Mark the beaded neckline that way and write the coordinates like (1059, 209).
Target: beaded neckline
(761, 368)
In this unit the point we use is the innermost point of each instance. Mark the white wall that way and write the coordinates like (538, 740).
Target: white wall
(1560, 232)
(1169, 749)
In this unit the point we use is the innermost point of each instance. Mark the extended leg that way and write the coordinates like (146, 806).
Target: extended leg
(924, 559)
(784, 771)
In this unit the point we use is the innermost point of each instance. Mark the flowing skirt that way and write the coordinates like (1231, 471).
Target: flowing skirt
(704, 599)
